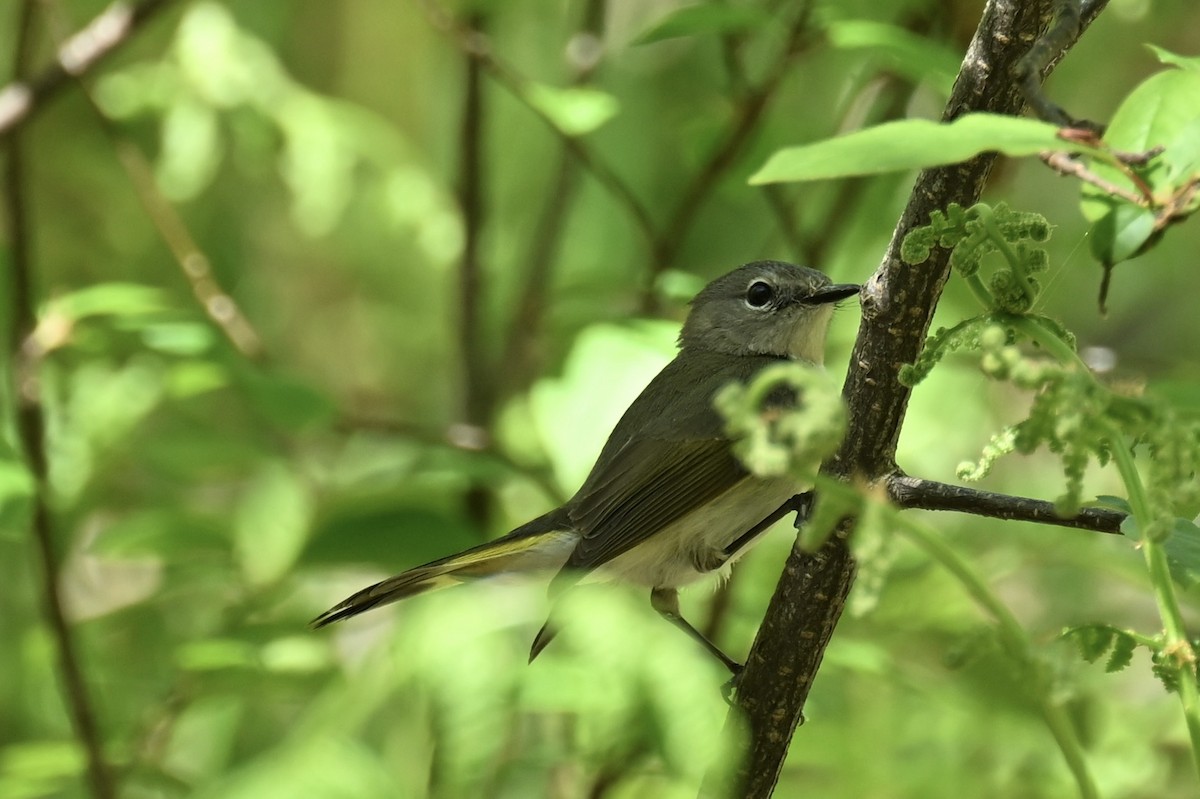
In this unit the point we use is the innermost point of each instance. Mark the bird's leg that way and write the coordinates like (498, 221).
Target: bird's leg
(801, 504)
(666, 602)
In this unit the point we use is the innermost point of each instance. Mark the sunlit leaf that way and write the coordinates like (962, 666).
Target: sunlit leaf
(1167, 57)
(179, 338)
(116, 299)
(576, 110)
(216, 654)
(35, 768)
(911, 144)
(1164, 110)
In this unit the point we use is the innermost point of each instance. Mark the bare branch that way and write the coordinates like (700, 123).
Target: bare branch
(21, 99)
(898, 302)
(913, 492)
(477, 393)
(476, 47)
(31, 430)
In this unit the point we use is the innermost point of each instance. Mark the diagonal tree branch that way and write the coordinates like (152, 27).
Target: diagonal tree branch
(31, 430)
(22, 99)
(914, 492)
(898, 302)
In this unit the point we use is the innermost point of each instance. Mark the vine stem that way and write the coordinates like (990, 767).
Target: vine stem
(1002, 244)
(1177, 646)
(1015, 642)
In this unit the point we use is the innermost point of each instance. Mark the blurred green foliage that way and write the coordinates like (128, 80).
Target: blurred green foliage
(207, 505)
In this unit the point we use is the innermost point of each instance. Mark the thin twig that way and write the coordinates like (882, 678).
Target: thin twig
(22, 99)
(195, 266)
(477, 392)
(747, 113)
(914, 492)
(519, 357)
(31, 429)
(476, 47)
(1064, 164)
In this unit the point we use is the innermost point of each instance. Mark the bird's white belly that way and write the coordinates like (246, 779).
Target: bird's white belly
(669, 558)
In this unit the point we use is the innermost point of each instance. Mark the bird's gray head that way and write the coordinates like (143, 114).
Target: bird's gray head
(765, 308)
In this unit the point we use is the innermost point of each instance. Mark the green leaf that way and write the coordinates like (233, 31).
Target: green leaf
(901, 50)
(1093, 640)
(576, 110)
(1112, 503)
(271, 524)
(110, 299)
(179, 338)
(1121, 233)
(1183, 552)
(39, 768)
(162, 533)
(1167, 57)
(386, 531)
(290, 403)
(912, 144)
(704, 19)
(1164, 110)
(1122, 652)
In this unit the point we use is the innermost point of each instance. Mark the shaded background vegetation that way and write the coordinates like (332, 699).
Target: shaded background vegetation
(209, 499)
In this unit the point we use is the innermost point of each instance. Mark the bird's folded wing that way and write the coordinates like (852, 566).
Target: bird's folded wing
(649, 484)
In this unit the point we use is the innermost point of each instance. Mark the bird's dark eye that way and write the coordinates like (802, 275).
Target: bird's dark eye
(759, 294)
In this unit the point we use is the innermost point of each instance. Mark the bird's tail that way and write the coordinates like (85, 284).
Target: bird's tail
(542, 544)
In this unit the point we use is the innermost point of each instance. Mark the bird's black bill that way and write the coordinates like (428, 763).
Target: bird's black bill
(833, 293)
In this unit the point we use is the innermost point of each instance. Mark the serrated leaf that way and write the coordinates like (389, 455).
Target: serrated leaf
(704, 19)
(912, 144)
(576, 110)
(1183, 553)
(1122, 653)
(1093, 640)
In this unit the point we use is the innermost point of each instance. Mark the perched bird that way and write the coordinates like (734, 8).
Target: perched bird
(667, 502)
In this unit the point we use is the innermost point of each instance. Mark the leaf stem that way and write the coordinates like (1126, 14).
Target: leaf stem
(981, 293)
(988, 219)
(1047, 340)
(1177, 647)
